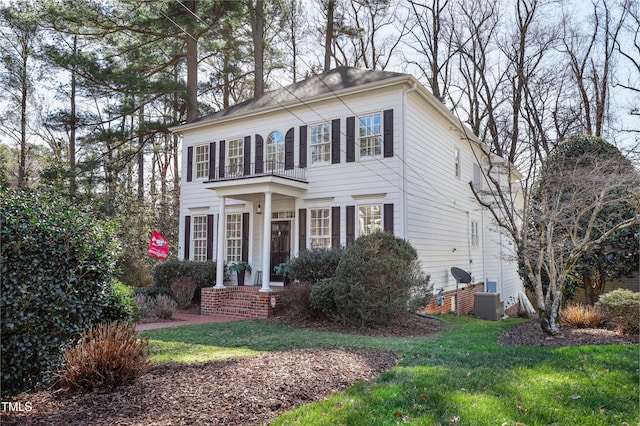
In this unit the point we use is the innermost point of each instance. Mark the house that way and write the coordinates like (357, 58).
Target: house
(325, 160)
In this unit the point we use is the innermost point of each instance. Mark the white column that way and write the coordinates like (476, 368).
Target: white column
(222, 232)
(266, 244)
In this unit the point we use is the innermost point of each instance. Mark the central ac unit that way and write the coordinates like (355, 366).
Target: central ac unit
(488, 306)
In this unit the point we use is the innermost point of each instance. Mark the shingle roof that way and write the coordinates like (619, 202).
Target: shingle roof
(329, 82)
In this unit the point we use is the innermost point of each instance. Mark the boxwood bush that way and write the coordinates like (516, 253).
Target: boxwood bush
(173, 269)
(57, 268)
(314, 265)
(621, 309)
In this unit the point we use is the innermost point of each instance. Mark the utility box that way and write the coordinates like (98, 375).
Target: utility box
(488, 306)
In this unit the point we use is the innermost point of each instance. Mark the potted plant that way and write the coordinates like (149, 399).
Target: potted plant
(240, 268)
(283, 269)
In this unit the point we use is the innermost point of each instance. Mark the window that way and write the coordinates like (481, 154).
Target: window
(456, 161)
(475, 234)
(370, 136)
(320, 143)
(320, 228)
(199, 238)
(370, 220)
(275, 152)
(202, 162)
(477, 177)
(235, 158)
(234, 237)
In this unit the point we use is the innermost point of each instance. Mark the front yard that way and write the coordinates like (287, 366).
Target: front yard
(253, 372)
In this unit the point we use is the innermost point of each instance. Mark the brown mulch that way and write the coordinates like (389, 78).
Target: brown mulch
(253, 390)
(530, 334)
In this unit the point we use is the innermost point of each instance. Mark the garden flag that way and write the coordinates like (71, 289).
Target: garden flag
(158, 246)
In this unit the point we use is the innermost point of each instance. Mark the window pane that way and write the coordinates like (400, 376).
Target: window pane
(274, 152)
(370, 135)
(199, 238)
(235, 158)
(320, 228)
(370, 219)
(202, 161)
(234, 237)
(320, 143)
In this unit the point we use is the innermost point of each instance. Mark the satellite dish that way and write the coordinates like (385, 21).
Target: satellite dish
(461, 275)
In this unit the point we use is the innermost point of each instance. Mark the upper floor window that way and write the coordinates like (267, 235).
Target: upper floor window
(320, 143)
(320, 228)
(475, 234)
(477, 177)
(274, 154)
(235, 157)
(456, 162)
(234, 237)
(202, 161)
(370, 135)
(199, 238)
(370, 219)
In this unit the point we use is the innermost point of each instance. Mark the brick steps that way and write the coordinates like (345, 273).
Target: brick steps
(239, 302)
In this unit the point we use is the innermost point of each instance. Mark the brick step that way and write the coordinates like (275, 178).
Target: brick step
(231, 311)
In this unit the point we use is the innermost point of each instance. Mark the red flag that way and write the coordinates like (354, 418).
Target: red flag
(158, 246)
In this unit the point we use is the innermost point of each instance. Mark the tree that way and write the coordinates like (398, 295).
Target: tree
(563, 218)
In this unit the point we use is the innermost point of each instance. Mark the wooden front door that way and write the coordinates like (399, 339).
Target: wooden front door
(280, 246)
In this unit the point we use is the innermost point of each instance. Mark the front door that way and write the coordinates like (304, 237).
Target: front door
(280, 246)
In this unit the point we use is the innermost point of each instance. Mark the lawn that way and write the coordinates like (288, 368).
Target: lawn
(460, 377)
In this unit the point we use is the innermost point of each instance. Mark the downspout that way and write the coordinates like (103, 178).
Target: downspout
(405, 201)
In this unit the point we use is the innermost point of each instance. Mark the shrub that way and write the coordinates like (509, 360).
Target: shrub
(314, 265)
(173, 269)
(106, 356)
(165, 307)
(57, 265)
(620, 309)
(295, 300)
(120, 304)
(146, 305)
(378, 280)
(183, 290)
(581, 316)
(322, 297)
(151, 291)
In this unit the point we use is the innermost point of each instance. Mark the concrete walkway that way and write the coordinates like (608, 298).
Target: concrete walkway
(185, 319)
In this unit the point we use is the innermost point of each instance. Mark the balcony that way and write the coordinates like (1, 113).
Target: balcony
(267, 168)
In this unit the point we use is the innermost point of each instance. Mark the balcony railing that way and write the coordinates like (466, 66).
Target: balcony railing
(267, 168)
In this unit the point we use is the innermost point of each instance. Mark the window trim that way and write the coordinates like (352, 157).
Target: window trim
(379, 136)
(326, 225)
(199, 238)
(239, 166)
(475, 234)
(326, 143)
(202, 165)
(236, 238)
(380, 217)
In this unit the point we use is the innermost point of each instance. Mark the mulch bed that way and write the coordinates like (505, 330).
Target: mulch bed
(253, 390)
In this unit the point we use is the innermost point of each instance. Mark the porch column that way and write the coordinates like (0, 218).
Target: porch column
(266, 244)
(222, 221)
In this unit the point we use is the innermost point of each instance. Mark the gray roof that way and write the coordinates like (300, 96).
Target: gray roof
(327, 83)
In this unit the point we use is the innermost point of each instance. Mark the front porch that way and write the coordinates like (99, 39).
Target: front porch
(240, 302)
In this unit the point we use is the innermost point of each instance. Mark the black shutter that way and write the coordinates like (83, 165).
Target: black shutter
(388, 133)
(189, 164)
(209, 237)
(245, 237)
(212, 161)
(259, 154)
(335, 226)
(302, 229)
(351, 224)
(289, 146)
(388, 218)
(247, 155)
(335, 141)
(351, 139)
(187, 237)
(222, 159)
(303, 147)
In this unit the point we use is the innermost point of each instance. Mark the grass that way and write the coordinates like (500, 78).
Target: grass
(459, 377)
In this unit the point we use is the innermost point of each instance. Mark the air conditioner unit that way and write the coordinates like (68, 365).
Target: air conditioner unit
(488, 306)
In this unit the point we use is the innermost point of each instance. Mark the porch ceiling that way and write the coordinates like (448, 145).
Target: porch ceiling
(245, 189)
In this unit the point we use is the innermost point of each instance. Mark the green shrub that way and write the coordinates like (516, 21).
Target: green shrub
(106, 356)
(120, 305)
(57, 266)
(151, 291)
(322, 297)
(378, 280)
(314, 265)
(174, 269)
(621, 309)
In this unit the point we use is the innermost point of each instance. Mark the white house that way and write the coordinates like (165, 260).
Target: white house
(325, 160)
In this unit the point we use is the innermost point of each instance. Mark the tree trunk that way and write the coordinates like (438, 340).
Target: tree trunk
(329, 35)
(256, 13)
(192, 63)
(141, 151)
(72, 128)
